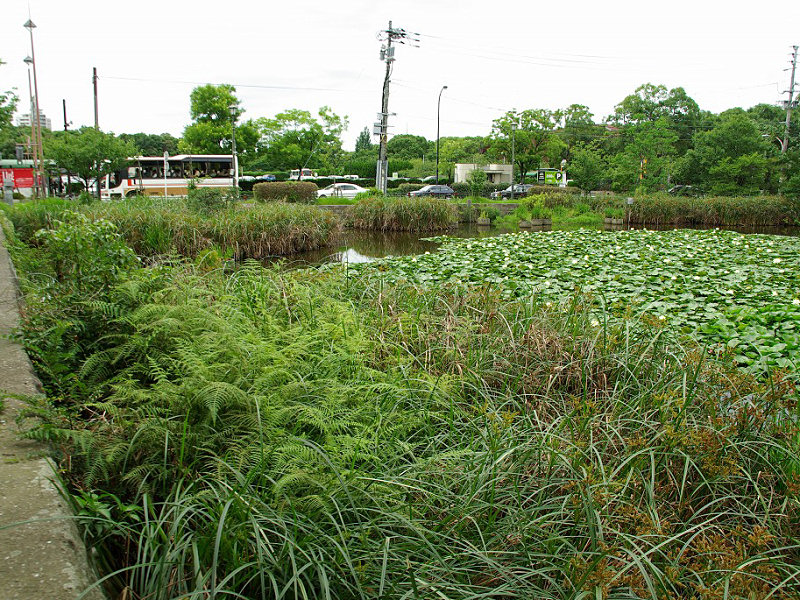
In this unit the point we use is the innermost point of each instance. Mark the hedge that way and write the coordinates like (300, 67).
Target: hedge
(295, 191)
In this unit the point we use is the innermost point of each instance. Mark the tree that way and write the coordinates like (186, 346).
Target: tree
(646, 160)
(578, 126)
(409, 146)
(9, 135)
(534, 139)
(364, 141)
(88, 153)
(734, 143)
(211, 131)
(152, 144)
(588, 168)
(295, 139)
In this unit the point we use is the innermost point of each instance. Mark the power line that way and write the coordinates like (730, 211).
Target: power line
(238, 85)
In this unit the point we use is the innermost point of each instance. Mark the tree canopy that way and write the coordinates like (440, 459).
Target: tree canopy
(213, 109)
(295, 139)
(88, 153)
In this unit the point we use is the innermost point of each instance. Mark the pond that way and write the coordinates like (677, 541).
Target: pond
(357, 246)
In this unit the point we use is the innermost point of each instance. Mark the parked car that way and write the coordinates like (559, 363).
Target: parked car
(684, 190)
(438, 191)
(520, 190)
(266, 177)
(340, 190)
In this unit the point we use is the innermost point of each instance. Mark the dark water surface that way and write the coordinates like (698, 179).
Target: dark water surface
(356, 246)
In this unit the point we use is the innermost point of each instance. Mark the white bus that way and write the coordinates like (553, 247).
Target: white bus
(159, 176)
(294, 174)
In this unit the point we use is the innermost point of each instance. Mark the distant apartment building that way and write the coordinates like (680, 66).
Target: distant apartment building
(24, 120)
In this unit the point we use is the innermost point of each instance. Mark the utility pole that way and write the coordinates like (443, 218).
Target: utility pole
(513, 136)
(390, 35)
(66, 128)
(790, 104)
(94, 85)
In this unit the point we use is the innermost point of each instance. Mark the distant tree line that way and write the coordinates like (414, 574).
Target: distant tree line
(655, 138)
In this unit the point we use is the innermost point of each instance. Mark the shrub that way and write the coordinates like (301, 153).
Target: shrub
(207, 200)
(303, 192)
(403, 214)
(405, 188)
(475, 180)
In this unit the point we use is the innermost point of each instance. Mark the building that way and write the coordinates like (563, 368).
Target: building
(494, 173)
(24, 120)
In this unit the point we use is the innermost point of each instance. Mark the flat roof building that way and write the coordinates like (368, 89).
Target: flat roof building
(24, 120)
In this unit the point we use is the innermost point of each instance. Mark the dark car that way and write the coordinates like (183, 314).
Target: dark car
(266, 177)
(438, 191)
(520, 190)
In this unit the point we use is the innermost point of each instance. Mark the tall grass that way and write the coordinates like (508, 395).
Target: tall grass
(403, 214)
(304, 435)
(154, 226)
(754, 211)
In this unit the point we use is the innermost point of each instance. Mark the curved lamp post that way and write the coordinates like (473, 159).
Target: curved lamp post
(438, 111)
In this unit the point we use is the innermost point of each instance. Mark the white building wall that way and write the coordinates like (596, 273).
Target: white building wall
(495, 173)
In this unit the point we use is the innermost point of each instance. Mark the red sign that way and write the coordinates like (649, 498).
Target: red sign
(22, 178)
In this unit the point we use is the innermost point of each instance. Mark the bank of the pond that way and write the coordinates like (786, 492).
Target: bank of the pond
(287, 434)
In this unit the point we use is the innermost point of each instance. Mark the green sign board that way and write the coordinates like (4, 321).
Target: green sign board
(549, 176)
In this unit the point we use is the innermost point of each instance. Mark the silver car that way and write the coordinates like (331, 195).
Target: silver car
(340, 190)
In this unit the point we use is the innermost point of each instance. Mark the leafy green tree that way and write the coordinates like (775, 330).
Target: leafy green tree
(409, 146)
(9, 135)
(735, 142)
(296, 139)
(364, 141)
(88, 153)
(578, 126)
(646, 162)
(212, 126)
(534, 140)
(588, 168)
(152, 144)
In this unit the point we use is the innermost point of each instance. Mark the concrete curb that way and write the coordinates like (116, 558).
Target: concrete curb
(41, 553)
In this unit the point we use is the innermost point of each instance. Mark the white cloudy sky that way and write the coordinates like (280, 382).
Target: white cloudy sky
(493, 56)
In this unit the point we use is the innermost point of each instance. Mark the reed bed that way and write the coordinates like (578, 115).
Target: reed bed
(403, 214)
(154, 226)
(754, 211)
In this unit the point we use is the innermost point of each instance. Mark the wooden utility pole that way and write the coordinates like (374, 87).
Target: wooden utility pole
(94, 85)
(789, 104)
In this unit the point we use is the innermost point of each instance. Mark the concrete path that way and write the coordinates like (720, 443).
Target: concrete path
(44, 558)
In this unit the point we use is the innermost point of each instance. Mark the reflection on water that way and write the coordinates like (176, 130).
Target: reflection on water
(358, 246)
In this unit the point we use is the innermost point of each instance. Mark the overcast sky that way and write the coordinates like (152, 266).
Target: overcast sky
(493, 56)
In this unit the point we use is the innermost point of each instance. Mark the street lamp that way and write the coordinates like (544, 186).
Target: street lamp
(34, 152)
(513, 136)
(29, 25)
(438, 110)
(232, 108)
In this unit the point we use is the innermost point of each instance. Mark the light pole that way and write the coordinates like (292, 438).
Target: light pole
(438, 111)
(34, 151)
(29, 25)
(513, 136)
(232, 108)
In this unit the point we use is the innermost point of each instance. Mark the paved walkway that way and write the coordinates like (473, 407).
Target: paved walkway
(43, 558)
